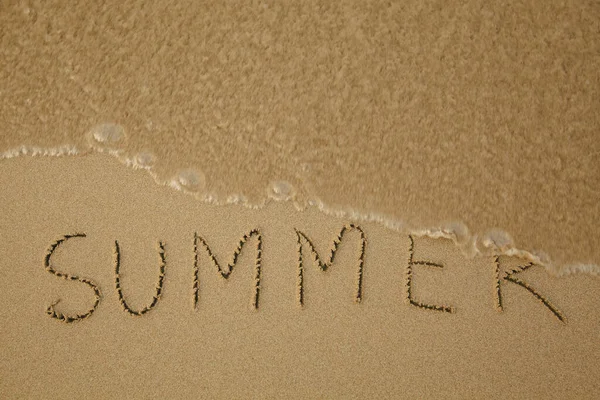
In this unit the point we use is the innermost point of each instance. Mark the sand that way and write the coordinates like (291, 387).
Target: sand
(445, 157)
(480, 112)
(330, 347)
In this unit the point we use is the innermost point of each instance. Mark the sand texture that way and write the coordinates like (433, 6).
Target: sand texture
(230, 346)
(481, 112)
(316, 199)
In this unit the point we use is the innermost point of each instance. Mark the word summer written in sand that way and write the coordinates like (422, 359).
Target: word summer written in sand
(307, 256)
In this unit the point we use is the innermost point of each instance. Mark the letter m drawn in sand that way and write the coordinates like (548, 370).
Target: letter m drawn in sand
(323, 266)
(226, 273)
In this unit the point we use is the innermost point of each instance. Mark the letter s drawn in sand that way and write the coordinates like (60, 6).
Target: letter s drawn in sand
(51, 311)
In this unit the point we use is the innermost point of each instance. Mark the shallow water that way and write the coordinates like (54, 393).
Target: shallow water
(479, 121)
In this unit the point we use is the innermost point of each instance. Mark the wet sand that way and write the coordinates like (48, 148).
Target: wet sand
(481, 113)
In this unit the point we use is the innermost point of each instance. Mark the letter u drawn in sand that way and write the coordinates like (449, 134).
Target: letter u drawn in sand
(159, 285)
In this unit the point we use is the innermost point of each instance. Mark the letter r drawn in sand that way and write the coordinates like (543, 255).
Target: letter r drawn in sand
(510, 276)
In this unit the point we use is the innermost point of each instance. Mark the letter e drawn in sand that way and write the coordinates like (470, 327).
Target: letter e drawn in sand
(510, 276)
(159, 285)
(409, 284)
(323, 266)
(51, 311)
(226, 273)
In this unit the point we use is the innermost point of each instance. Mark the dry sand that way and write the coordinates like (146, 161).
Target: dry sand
(330, 347)
(288, 122)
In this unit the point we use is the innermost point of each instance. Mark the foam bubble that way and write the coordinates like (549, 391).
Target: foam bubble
(191, 179)
(211, 198)
(280, 190)
(236, 199)
(542, 256)
(108, 133)
(496, 239)
(145, 159)
(458, 229)
(39, 151)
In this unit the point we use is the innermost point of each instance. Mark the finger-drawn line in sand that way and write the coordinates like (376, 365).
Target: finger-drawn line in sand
(510, 277)
(301, 239)
(226, 273)
(498, 292)
(51, 311)
(324, 266)
(159, 286)
(409, 283)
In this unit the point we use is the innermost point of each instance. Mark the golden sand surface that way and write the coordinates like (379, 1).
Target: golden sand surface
(330, 347)
(422, 111)
(355, 199)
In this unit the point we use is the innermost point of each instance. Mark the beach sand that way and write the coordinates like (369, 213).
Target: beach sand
(483, 113)
(331, 347)
(453, 147)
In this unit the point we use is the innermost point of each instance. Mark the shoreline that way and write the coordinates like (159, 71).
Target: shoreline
(494, 242)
